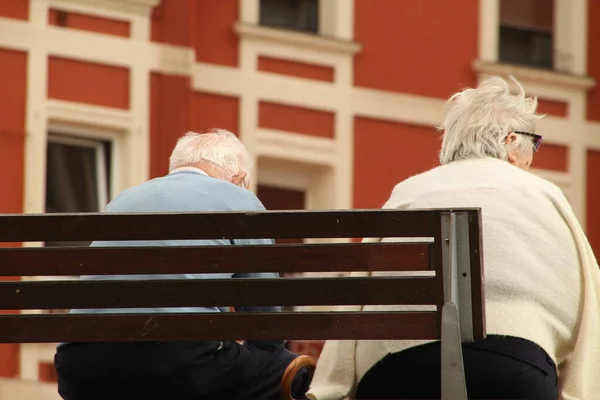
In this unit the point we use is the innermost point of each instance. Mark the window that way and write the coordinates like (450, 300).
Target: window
(299, 15)
(526, 32)
(77, 176)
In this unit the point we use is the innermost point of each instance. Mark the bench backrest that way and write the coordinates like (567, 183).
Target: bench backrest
(449, 263)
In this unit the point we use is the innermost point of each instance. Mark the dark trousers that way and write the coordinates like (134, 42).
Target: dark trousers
(495, 368)
(173, 371)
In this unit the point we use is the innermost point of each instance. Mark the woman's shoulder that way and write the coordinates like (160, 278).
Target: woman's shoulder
(483, 173)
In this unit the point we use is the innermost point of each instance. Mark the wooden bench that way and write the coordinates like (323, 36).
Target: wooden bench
(449, 261)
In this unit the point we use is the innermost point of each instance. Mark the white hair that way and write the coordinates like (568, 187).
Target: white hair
(217, 147)
(477, 121)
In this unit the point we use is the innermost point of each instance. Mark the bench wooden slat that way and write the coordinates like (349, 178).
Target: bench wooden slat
(223, 326)
(212, 259)
(231, 225)
(23, 295)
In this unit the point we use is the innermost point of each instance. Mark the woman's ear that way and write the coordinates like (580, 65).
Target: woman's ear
(510, 138)
(512, 156)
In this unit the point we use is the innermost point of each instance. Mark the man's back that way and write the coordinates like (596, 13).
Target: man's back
(188, 190)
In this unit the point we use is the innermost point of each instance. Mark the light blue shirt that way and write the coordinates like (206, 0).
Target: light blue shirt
(187, 190)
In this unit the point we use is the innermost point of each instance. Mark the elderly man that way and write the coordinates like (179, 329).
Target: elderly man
(208, 172)
(542, 282)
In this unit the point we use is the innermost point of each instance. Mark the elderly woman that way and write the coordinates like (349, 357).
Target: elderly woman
(542, 280)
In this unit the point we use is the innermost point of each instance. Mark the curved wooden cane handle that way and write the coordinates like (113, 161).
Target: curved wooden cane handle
(290, 373)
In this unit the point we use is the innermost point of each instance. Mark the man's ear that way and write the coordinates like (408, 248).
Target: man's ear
(238, 179)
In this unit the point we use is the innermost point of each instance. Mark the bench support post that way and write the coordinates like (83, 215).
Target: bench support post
(457, 324)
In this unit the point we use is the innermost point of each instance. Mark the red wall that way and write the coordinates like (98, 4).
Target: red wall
(173, 22)
(89, 83)
(386, 153)
(593, 107)
(13, 105)
(553, 107)
(593, 200)
(216, 42)
(18, 9)
(205, 25)
(170, 108)
(296, 119)
(420, 47)
(214, 111)
(296, 69)
(551, 156)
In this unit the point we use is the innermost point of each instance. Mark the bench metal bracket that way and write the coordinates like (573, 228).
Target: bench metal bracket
(457, 322)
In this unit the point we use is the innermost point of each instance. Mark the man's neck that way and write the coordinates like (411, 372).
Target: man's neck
(192, 169)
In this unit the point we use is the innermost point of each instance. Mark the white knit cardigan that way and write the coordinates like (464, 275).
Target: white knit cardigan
(542, 281)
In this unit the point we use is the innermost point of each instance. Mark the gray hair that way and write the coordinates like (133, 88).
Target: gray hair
(217, 147)
(477, 121)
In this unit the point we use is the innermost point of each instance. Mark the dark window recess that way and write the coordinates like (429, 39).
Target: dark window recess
(276, 198)
(62, 18)
(73, 179)
(299, 15)
(526, 47)
(526, 32)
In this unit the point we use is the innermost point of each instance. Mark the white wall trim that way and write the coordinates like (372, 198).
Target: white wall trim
(84, 114)
(336, 19)
(88, 8)
(14, 389)
(36, 117)
(536, 75)
(570, 28)
(114, 9)
(249, 11)
(298, 39)
(399, 107)
(489, 21)
(285, 175)
(296, 147)
(31, 355)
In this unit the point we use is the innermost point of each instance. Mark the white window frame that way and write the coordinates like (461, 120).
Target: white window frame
(336, 17)
(98, 145)
(120, 149)
(569, 34)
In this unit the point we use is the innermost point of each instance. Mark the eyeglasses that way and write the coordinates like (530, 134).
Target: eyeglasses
(537, 139)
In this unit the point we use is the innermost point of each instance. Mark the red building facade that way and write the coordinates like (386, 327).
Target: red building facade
(337, 100)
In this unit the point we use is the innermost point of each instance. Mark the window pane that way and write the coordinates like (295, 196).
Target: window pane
(535, 15)
(72, 179)
(526, 32)
(108, 165)
(302, 15)
(526, 47)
